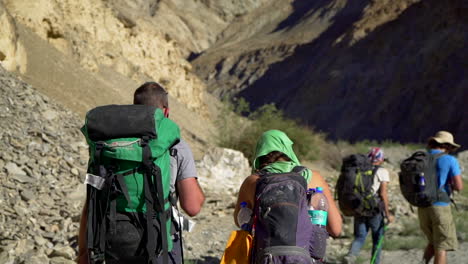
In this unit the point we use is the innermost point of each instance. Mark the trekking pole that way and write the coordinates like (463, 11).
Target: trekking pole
(379, 244)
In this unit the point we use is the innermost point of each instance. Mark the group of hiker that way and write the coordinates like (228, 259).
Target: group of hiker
(140, 170)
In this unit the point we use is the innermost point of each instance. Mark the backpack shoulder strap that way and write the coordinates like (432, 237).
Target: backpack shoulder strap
(442, 195)
(262, 173)
(299, 169)
(438, 155)
(374, 170)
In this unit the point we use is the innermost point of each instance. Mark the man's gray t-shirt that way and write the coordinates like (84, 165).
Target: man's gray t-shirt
(182, 164)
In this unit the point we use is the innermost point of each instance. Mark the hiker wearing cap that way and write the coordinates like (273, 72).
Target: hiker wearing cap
(375, 223)
(436, 221)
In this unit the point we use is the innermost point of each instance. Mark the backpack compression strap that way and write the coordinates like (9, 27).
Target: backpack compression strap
(441, 195)
(150, 197)
(95, 223)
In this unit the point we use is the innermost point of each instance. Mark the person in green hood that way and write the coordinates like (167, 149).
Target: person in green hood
(274, 154)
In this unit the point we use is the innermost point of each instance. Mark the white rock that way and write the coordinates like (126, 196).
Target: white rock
(223, 169)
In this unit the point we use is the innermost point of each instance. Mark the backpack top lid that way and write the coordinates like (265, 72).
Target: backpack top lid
(121, 121)
(276, 140)
(121, 128)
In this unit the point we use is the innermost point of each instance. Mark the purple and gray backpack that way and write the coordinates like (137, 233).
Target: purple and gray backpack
(283, 232)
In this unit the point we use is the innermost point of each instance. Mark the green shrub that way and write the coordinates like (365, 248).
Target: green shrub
(404, 243)
(460, 215)
(365, 145)
(410, 228)
(242, 134)
(461, 224)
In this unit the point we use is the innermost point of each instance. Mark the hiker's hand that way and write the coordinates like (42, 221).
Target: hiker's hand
(390, 218)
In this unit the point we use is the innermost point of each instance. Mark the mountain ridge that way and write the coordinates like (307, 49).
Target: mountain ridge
(389, 52)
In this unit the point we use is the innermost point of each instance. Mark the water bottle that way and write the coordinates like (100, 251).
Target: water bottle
(318, 211)
(318, 208)
(244, 216)
(421, 182)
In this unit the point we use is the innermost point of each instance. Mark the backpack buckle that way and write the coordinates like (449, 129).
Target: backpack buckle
(96, 257)
(173, 152)
(144, 141)
(100, 145)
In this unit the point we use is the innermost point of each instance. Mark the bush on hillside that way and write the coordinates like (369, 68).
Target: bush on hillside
(240, 134)
(364, 146)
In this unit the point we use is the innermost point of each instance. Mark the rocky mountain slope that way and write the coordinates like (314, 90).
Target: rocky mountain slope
(351, 68)
(194, 25)
(83, 54)
(99, 38)
(42, 163)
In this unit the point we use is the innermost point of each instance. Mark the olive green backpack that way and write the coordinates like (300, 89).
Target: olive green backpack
(129, 172)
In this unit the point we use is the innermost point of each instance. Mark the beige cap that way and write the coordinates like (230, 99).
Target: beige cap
(444, 137)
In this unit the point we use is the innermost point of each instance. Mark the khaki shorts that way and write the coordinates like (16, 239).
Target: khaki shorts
(437, 224)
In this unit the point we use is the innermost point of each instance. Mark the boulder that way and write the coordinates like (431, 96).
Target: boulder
(223, 170)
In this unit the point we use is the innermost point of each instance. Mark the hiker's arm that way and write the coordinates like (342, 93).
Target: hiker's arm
(384, 196)
(457, 183)
(246, 194)
(334, 222)
(82, 248)
(191, 196)
(455, 179)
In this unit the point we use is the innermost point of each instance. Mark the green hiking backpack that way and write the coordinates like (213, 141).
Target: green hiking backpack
(129, 171)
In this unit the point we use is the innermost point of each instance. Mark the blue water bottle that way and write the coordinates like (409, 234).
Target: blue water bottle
(421, 182)
(244, 216)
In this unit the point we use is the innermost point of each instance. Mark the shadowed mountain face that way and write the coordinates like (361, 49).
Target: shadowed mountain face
(401, 79)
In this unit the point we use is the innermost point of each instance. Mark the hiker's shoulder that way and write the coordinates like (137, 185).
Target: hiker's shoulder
(382, 170)
(448, 160)
(315, 172)
(317, 178)
(182, 145)
(251, 180)
(254, 177)
(249, 184)
(383, 174)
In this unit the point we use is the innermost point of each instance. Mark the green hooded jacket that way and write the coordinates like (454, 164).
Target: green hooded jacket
(276, 140)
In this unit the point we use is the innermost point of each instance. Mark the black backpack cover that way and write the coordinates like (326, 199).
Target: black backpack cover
(418, 179)
(353, 189)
